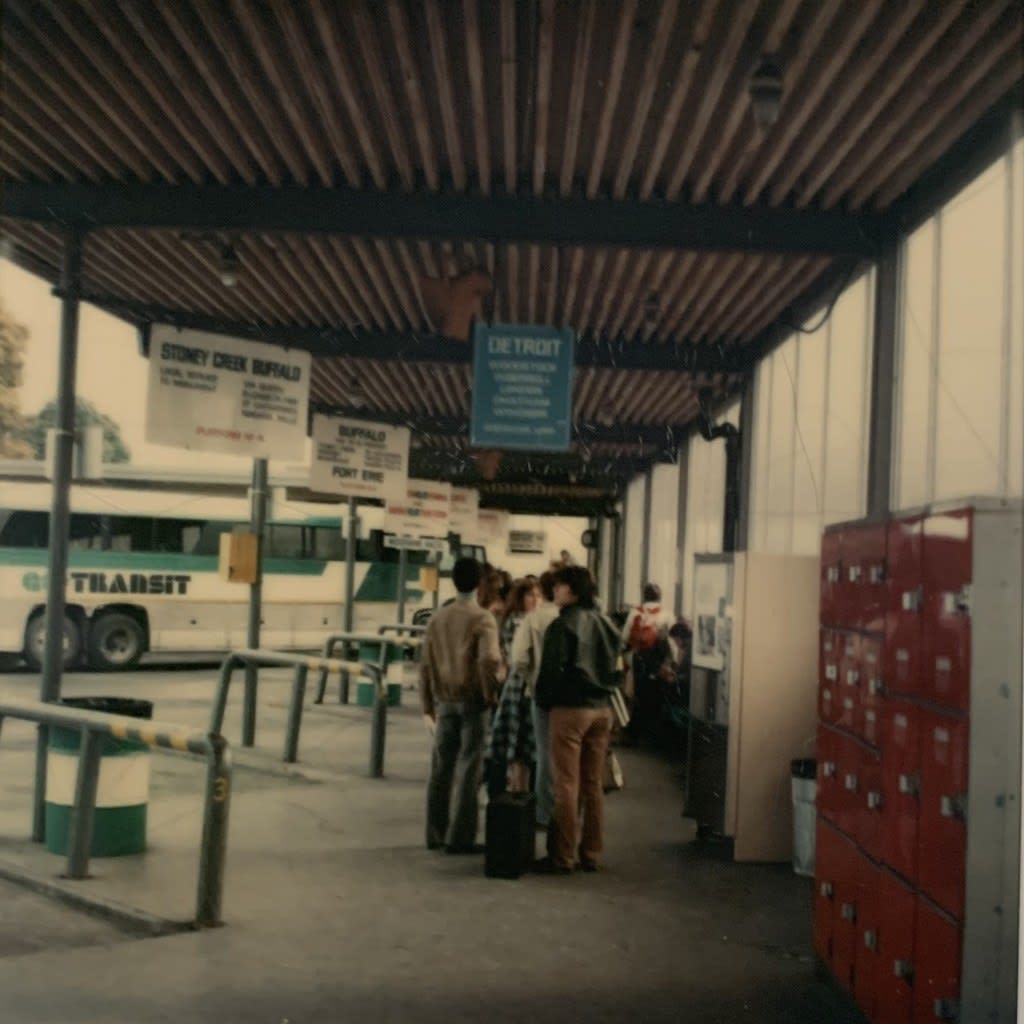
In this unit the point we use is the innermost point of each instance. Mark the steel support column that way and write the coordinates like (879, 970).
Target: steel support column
(60, 510)
(348, 612)
(745, 470)
(645, 538)
(683, 573)
(259, 522)
(883, 384)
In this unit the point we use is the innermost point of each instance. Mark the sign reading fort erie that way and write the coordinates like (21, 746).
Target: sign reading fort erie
(361, 460)
(522, 387)
(210, 392)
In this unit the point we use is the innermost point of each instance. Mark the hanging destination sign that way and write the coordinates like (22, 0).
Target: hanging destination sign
(358, 459)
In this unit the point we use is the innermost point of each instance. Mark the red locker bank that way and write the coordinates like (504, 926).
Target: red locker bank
(919, 762)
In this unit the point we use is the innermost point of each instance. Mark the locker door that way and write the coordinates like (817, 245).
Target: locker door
(844, 929)
(826, 864)
(831, 577)
(942, 823)
(866, 963)
(869, 809)
(849, 681)
(894, 981)
(850, 788)
(937, 958)
(869, 690)
(829, 654)
(828, 775)
(864, 565)
(947, 618)
(904, 605)
(901, 785)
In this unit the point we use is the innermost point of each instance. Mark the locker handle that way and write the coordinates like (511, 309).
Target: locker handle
(910, 785)
(832, 573)
(912, 599)
(871, 939)
(828, 769)
(957, 602)
(954, 806)
(876, 574)
(947, 1009)
(850, 782)
(848, 912)
(826, 890)
(854, 573)
(852, 677)
(875, 686)
(874, 801)
(903, 969)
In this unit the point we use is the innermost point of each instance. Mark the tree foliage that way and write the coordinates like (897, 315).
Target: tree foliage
(12, 423)
(86, 415)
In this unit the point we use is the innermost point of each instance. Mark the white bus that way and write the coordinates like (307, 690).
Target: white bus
(143, 574)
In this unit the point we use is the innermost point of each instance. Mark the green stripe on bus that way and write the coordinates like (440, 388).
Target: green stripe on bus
(147, 561)
(381, 583)
(116, 831)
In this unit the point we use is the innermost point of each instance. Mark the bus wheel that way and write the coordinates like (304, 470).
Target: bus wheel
(116, 641)
(35, 642)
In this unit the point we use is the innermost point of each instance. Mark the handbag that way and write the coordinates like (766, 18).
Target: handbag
(612, 776)
(619, 708)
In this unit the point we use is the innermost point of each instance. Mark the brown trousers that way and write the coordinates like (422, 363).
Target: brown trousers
(578, 745)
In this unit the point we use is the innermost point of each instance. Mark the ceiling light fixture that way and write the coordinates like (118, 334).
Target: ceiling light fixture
(230, 265)
(766, 93)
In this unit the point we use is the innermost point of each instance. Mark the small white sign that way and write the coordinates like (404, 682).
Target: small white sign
(465, 505)
(214, 393)
(491, 523)
(423, 512)
(436, 544)
(357, 459)
(527, 542)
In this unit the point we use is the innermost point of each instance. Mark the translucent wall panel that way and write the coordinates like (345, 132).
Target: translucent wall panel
(847, 410)
(778, 478)
(915, 430)
(962, 345)
(635, 529)
(705, 502)
(810, 436)
(663, 568)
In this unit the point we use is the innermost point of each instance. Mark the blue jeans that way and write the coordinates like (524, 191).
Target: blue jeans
(455, 769)
(542, 785)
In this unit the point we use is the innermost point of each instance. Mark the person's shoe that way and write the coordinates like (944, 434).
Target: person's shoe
(461, 850)
(435, 846)
(546, 866)
(590, 866)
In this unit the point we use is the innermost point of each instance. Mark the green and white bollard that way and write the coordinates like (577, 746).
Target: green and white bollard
(369, 652)
(122, 794)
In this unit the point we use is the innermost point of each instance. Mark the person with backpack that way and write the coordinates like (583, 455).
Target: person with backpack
(645, 636)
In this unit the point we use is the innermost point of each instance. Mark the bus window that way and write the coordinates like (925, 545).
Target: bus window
(328, 543)
(25, 530)
(209, 536)
(86, 533)
(287, 542)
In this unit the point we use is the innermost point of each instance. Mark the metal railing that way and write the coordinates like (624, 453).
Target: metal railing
(302, 664)
(345, 639)
(93, 726)
(400, 628)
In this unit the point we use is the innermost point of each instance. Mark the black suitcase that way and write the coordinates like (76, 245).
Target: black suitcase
(511, 819)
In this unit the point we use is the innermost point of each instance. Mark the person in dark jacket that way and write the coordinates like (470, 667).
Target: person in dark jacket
(578, 672)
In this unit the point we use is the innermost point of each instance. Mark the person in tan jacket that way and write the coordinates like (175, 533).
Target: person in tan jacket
(460, 678)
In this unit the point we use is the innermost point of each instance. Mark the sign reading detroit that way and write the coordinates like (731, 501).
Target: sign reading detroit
(522, 387)
(213, 393)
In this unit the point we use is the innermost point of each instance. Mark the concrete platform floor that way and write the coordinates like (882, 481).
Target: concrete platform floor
(336, 912)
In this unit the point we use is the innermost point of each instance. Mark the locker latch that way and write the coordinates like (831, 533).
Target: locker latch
(875, 686)
(959, 602)
(954, 806)
(852, 677)
(910, 785)
(854, 573)
(850, 782)
(826, 890)
(874, 801)
(832, 573)
(876, 574)
(828, 769)
(913, 599)
(848, 912)
(947, 1009)
(871, 939)
(904, 969)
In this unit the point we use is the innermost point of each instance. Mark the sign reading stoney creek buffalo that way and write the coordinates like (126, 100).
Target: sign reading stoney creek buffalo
(358, 459)
(213, 393)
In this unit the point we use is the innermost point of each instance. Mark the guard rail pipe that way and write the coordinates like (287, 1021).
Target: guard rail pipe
(93, 726)
(345, 639)
(301, 664)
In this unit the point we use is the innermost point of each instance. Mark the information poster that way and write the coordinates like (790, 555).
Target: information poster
(422, 512)
(214, 393)
(358, 459)
(522, 387)
(491, 524)
(464, 508)
(527, 542)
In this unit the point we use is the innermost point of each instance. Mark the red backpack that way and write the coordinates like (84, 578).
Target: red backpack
(643, 633)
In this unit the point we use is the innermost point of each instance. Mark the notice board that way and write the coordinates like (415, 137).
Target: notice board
(522, 387)
(358, 459)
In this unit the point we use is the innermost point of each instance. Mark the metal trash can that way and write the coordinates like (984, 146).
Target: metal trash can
(122, 793)
(804, 773)
(370, 652)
